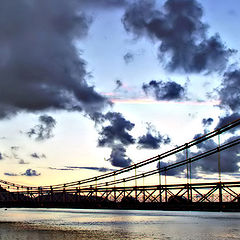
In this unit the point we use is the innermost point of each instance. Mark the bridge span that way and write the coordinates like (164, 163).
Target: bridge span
(143, 185)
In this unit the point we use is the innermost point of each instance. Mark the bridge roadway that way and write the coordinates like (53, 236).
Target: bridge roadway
(119, 189)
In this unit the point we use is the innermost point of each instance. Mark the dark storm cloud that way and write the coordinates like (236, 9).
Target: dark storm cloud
(43, 130)
(164, 90)
(38, 156)
(128, 58)
(31, 173)
(229, 158)
(117, 132)
(229, 93)
(152, 142)
(206, 122)
(152, 139)
(40, 66)
(178, 27)
(177, 172)
(228, 119)
(116, 136)
(118, 83)
(118, 157)
(97, 117)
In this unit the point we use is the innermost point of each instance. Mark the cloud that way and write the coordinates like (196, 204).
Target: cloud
(15, 148)
(152, 139)
(72, 168)
(116, 136)
(206, 122)
(15, 155)
(38, 156)
(104, 3)
(177, 172)
(229, 158)
(182, 34)
(118, 157)
(61, 169)
(99, 169)
(128, 57)
(40, 66)
(164, 90)
(43, 130)
(21, 161)
(10, 174)
(31, 173)
(1, 156)
(117, 132)
(4, 155)
(228, 119)
(229, 93)
(119, 84)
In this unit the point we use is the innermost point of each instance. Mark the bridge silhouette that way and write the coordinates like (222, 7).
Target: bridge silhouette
(122, 188)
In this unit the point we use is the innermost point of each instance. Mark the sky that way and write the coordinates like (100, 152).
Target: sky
(89, 86)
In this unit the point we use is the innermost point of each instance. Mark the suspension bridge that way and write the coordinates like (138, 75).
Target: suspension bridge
(143, 185)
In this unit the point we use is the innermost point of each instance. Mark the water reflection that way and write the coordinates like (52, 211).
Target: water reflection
(115, 224)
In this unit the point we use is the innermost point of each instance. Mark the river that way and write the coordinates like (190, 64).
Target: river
(74, 224)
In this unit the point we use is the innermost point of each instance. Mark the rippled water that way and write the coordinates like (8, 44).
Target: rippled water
(116, 224)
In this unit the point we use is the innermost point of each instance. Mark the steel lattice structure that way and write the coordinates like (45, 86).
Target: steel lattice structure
(120, 188)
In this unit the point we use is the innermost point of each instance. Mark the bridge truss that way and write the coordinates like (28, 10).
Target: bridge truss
(121, 188)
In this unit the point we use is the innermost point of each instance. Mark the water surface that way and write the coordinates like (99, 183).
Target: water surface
(24, 224)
